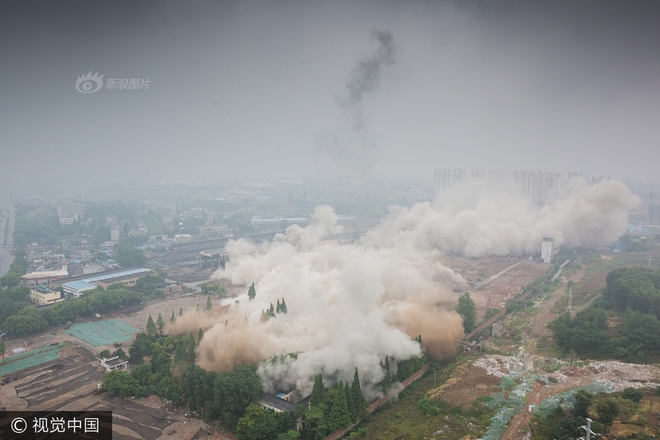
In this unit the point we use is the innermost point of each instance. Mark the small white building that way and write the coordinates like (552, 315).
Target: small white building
(114, 363)
(546, 249)
(115, 233)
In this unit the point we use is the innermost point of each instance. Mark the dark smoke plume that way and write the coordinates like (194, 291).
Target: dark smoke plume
(366, 76)
(351, 143)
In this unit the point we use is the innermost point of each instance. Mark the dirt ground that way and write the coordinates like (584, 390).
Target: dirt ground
(466, 384)
(500, 290)
(69, 383)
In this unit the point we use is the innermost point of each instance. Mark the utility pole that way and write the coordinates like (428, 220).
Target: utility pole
(588, 430)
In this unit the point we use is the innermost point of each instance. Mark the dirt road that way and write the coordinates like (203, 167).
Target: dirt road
(539, 392)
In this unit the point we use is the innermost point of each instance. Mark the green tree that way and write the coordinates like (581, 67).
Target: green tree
(142, 373)
(256, 424)
(10, 280)
(358, 398)
(583, 400)
(352, 411)
(197, 386)
(104, 354)
(180, 311)
(633, 394)
(233, 392)
(252, 292)
(8, 307)
(161, 363)
(283, 307)
(200, 335)
(140, 348)
(191, 348)
(468, 311)
(26, 321)
(160, 323)
(128, 256)
(172, 318)
(608, 410)
(3, 351)
(151, 327)
(318, 391)
(339, 416)
(120, 383)
(208, 303)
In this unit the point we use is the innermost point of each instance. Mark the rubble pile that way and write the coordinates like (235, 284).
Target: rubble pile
(500, 366)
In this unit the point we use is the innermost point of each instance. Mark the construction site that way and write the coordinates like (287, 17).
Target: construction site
(512, 364)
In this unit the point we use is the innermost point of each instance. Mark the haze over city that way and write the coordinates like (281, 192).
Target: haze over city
(320, 220)
(368, 89)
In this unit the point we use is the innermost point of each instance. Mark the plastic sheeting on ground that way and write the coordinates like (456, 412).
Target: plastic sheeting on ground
(29, 359)
(106, 332)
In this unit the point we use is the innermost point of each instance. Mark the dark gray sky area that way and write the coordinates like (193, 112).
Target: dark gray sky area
(284, 89)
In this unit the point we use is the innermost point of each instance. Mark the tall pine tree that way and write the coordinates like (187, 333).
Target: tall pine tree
(318, 391)
(339, 416)
(160, 324)
(151, 327)
(358, 398)
(252, 292)
(283, 306)
(349, 401)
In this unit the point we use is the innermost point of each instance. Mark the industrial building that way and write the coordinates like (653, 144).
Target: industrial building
(277, 221)
(127, 277)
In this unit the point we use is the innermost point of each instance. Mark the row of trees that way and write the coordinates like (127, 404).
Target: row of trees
(635, 338)
(635, 294)
(172, 374)
(329, 409)
(637, 288)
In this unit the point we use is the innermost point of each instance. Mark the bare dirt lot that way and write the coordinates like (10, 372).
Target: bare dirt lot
(505, 287)
(466, 384)
(69, 383)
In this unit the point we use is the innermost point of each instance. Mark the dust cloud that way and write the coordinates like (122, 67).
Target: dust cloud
(353, 305)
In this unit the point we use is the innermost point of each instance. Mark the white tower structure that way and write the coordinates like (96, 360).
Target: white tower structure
(546, 249)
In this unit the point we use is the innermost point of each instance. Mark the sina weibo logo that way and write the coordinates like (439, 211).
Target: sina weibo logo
(89, 83)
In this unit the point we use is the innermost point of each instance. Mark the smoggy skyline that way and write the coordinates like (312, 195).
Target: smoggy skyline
(327, 89)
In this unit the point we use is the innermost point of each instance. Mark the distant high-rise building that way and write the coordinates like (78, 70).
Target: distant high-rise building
(538, 186)
(71, 210)
(654, 214)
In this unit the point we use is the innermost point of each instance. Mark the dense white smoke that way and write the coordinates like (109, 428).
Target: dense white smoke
(477, 219)
(352, 305)
(348, 306)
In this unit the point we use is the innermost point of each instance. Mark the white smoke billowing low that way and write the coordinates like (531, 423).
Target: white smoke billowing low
(351, 305)
(476, 219)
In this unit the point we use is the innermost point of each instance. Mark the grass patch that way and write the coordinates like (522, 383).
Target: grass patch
(416, 416)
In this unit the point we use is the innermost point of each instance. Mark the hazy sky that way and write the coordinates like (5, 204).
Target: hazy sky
(283, 89)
